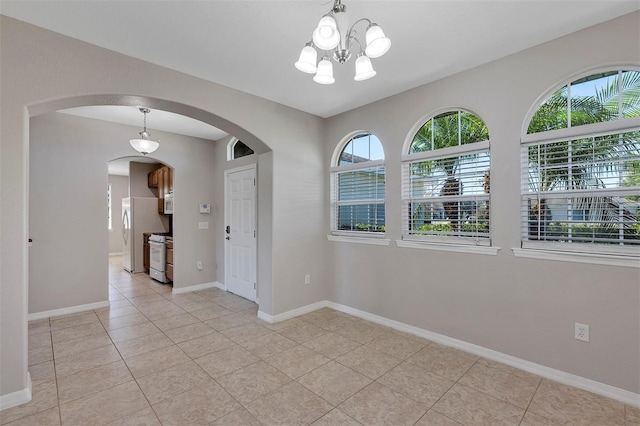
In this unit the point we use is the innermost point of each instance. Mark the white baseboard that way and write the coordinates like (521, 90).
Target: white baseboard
(69, 310)
(115, 254)
(608, 391)
(16, 398)
(221, 286)
(293, 313)
(196, 287)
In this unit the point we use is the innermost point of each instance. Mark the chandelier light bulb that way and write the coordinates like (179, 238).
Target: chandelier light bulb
(326, 35)
(308, 58)
(324, 75)
(364, 69)
(377, 43)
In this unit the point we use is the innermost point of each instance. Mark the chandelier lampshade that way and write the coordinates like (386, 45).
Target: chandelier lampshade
(377, 43)
(324, 75)
(307, 61)
(364, 69)
(337, 39)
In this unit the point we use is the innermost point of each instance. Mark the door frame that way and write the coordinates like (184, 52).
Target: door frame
(227, 256)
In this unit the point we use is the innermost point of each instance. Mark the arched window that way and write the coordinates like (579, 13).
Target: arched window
(238, 149)
(445, 181)
(358, 188)
(581, 167)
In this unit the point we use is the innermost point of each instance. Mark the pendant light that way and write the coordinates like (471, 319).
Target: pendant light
(144, 145)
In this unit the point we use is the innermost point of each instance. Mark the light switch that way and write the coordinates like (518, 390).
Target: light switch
(203, 225)
(205, 208)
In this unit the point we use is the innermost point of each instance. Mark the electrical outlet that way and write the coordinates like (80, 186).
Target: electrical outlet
(582, 332)
(199, 265)
(307, 279)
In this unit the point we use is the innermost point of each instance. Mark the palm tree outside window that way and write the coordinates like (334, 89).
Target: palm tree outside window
(446, 181)
(581, 167)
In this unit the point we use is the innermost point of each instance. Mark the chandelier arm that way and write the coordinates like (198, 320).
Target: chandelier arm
(350, 35)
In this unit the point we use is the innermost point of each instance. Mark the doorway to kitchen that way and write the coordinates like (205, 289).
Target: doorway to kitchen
(240, 231)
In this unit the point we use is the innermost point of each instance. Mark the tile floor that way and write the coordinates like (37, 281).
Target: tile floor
(203, 358)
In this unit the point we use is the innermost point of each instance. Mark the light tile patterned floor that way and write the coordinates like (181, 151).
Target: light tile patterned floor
(203, 358)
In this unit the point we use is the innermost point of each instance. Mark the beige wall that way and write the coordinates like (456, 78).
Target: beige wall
(138, 179)
(522, 307)
(42, 72)
(119, 190)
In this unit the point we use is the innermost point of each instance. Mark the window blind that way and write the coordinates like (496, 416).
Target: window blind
(358, 200)
(583, 190)
(446, 199)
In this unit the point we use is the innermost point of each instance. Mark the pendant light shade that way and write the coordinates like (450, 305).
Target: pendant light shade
(364, 69)
(326, 35)
(324, 75)
(307, 61)
(144, 145)
(377, 43)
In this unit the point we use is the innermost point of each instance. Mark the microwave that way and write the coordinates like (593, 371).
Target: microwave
(168, 204)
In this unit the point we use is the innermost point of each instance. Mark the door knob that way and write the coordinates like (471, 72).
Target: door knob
(228, 229)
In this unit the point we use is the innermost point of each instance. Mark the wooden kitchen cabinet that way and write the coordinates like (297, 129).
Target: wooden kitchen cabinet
(163, 179)
(152, 179)
(168, 267)
(146, 251)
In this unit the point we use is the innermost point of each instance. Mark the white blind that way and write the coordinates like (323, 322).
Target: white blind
(582, 190)
(447, 198)
(358, 199)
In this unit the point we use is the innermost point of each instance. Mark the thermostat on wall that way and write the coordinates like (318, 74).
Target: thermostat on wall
(205, 208)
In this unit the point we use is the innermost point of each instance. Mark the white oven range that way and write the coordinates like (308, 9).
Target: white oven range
(157, 257)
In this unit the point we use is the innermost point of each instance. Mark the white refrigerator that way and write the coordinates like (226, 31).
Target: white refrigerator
(139, 215)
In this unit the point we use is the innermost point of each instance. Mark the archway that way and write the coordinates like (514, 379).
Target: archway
(191, 164)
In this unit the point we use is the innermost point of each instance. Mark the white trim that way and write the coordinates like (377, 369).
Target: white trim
(593, 258)
(66, 311)
(18, 397)
(585, 130)
(272, 319)
(220, 285)
(452, 151)
(359, 240)
(116, 254)
(196, 287)
(457, 248)
(357, 166)
(622, 395)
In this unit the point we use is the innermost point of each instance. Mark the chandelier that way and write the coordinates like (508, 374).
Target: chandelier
(144, 145)
(336, 38)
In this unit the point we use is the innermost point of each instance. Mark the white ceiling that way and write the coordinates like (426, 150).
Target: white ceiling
(251, 45)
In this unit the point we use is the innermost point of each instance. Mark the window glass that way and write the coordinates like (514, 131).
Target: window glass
(358, 187)
(583, 193)
(596, 98)
(446, 197)
(241, 150)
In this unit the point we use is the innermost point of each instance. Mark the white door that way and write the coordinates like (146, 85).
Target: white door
(240, 231)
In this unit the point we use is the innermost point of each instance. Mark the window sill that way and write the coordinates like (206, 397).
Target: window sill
(376, 241)
(457, 248)
(593, 258)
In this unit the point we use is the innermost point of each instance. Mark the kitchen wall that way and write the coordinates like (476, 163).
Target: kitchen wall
(138, 179)
(119, 190)
(42, 72)
(518, 306)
